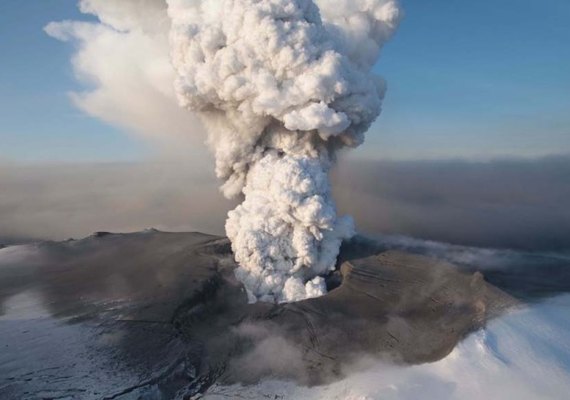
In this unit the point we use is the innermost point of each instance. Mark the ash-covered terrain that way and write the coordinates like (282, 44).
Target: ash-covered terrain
(159, 315)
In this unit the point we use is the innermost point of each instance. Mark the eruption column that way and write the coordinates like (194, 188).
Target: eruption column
(281, 85)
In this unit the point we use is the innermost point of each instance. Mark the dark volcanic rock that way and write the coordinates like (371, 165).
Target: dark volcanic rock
(160, 315)
(394, 306)
(92, 319)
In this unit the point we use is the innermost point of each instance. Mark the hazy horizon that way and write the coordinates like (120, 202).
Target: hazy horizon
(513, 203)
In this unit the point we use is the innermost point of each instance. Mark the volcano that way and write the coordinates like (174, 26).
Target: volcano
(162, 315)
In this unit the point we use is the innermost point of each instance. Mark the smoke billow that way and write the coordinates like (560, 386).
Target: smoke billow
(281, 85)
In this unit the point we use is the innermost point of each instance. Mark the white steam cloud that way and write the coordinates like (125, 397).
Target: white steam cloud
(280, 85)
(124, 63)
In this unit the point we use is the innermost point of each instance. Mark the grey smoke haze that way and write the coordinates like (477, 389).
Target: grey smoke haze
(518, 204)
(73, 200)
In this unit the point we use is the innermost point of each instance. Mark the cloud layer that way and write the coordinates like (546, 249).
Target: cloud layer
(520, 204)
(62, 201)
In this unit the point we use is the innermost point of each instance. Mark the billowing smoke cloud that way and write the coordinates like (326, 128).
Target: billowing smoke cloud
(281, 85)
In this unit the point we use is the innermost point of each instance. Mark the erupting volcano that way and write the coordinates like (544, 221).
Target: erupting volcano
(281, 85)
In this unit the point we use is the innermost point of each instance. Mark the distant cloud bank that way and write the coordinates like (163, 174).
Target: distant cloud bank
(516, 204)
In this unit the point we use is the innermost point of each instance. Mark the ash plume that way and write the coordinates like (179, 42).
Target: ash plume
(281, 85)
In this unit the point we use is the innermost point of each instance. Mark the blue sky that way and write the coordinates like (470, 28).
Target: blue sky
(38, 120)
(467, 79)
